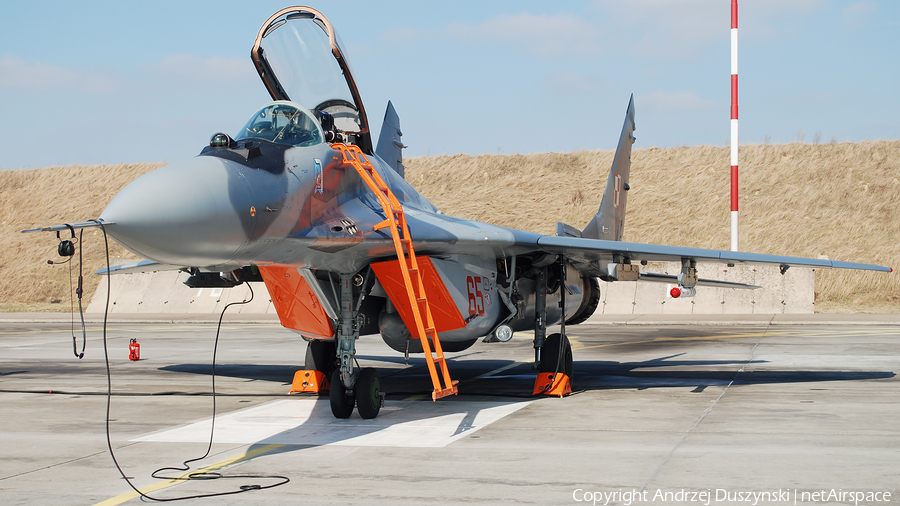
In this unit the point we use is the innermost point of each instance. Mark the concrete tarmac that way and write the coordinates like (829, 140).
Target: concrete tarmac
(695, 413)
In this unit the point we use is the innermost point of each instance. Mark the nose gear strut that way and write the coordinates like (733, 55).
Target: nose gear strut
(395, 221)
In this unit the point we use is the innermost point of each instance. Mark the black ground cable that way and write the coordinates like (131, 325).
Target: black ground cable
(68, 260)
(195, 476)
(71, 302)
(133, 394)
(80, 292)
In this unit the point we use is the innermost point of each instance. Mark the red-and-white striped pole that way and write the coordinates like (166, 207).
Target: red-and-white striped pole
(734, 125)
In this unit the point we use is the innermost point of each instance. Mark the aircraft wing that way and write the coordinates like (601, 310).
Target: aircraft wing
(444, 234)
(438, 234)
(589, 252)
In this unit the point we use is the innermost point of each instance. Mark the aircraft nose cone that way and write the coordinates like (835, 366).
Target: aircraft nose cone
(195, 213)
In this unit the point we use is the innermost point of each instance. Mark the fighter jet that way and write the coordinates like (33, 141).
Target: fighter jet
(301, 200)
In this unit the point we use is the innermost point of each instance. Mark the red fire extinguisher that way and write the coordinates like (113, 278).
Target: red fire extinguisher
(134, 350)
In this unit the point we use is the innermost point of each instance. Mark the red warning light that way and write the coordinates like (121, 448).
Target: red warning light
(675, 292)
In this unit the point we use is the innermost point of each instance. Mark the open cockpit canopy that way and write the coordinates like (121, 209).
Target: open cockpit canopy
(300, 58)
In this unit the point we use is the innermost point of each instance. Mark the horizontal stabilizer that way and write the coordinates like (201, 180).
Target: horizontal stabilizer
(563, 230)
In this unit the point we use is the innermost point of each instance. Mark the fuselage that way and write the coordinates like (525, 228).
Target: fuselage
(254, 202)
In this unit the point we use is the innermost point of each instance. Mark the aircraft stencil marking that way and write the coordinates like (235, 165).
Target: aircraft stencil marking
(319, 178)
(476, 297)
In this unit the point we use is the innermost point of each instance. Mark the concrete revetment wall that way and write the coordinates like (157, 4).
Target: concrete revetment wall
(793, 292)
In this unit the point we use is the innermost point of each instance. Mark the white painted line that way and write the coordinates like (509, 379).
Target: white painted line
(305, 421)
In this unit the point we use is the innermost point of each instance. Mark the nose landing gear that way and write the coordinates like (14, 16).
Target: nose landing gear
(350, 386)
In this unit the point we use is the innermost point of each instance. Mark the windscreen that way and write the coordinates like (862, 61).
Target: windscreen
(283, 123)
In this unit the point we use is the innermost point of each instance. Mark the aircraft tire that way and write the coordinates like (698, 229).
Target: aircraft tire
(321, 356)
(550, 355)
(368, 393)
(589, 305)
(341, 404)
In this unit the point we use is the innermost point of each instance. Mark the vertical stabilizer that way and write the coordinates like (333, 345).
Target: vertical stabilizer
(390, 147)
(609, 222)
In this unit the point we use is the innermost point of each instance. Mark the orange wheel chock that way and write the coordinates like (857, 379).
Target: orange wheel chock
(547, 384)
(309, 381)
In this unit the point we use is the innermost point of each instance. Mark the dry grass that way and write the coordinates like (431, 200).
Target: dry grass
(838, 200)
(33, 198)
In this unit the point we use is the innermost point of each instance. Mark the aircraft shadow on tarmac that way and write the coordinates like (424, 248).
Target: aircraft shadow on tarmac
(604, 375)
(254, 372)
(479, 394)
(518, 379)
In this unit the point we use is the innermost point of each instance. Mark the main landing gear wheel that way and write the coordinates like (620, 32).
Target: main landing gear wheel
(551, 357)
(320, 356)
(368, 393)
(341, 403)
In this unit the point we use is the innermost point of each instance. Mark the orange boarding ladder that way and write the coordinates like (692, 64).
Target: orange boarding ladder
(412, 277)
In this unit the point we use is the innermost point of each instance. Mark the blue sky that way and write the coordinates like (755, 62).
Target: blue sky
(128, 82)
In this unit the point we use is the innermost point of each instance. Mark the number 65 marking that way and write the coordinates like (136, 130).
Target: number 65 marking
(476, 297)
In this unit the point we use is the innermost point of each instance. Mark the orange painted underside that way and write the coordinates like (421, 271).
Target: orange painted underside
(297, 305)
(443, 309)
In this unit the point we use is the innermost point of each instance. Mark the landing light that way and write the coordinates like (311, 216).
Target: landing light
(503, 333)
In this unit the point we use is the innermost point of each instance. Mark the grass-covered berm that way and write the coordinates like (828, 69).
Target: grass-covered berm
(838, 200)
